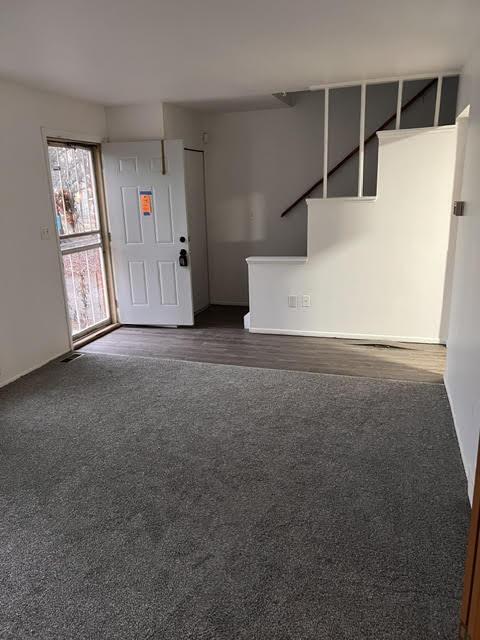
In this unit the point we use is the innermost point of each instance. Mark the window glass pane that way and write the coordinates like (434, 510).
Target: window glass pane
(85, 287)
(73, 183)
(421, 111)
(448, 103)
(344, 126)
(380, 107)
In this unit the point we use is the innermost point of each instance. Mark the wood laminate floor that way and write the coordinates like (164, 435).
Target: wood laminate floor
(219, 337)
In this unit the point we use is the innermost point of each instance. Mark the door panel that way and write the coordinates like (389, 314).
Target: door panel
(168, 284)
(132, 224)
(162, 212)
(138, 282)
(147, 214)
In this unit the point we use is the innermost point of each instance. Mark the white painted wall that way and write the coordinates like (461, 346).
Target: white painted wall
(135, 122)
(376, 268)
(462, 376)
(257, 162)
(33, 324)
(184, 124)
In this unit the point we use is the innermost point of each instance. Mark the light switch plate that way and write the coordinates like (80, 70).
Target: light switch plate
(45, 233)
(306, 301)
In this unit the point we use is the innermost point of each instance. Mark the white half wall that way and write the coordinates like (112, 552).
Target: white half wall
(376, 268)
(33, 323)
(462, 377)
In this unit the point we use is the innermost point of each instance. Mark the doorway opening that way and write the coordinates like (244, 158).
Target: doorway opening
(197, 226)
(80, 225)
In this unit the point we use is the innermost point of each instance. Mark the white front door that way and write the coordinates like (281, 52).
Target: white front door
(149, 232)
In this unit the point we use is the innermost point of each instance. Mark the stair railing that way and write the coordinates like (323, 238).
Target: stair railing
(369, 138)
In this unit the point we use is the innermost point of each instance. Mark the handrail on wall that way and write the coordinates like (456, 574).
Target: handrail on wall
(371, 137)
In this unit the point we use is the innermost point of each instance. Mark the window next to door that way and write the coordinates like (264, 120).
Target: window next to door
(78, 225)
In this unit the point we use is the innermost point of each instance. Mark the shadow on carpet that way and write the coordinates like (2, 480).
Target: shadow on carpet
(147, 499)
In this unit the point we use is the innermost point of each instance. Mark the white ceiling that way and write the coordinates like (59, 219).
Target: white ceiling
(200, 51)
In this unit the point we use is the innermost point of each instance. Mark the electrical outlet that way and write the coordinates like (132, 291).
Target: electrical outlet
(45, 233)
(292, 302)
(306, 301)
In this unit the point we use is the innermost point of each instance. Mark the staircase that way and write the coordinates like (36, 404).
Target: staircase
(375, 266)
(355, 151)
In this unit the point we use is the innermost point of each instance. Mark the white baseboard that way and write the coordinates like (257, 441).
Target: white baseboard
(470, 474)
(347, 336)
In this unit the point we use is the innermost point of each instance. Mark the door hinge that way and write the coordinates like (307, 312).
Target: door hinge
(458, 208)
(109, 236)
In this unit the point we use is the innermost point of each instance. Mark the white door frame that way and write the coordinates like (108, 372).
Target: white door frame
(202, 151)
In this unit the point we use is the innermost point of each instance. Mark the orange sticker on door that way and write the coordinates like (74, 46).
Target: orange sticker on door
(146, 202)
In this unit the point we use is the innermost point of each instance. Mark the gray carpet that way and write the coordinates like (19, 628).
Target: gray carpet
(174, 500)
